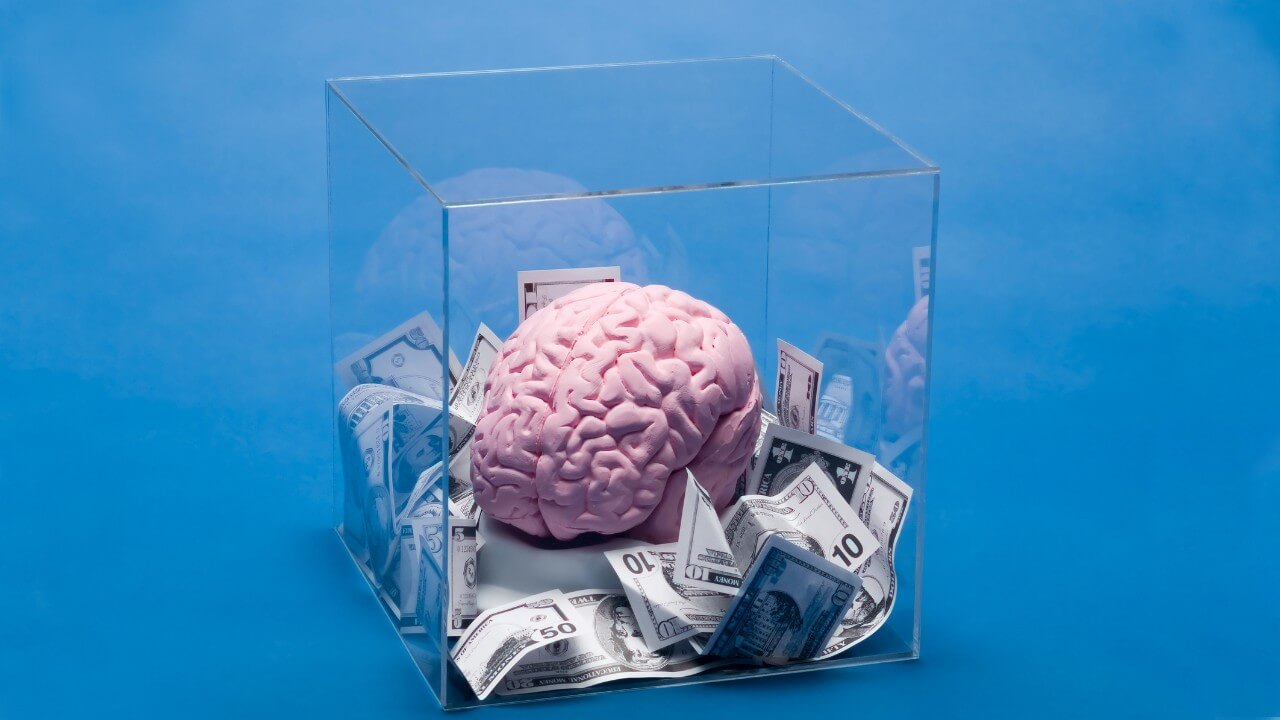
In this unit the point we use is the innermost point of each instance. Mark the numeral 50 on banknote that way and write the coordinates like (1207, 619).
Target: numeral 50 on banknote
(564, 628)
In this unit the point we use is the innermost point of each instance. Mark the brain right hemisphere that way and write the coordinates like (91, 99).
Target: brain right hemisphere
(600, 401)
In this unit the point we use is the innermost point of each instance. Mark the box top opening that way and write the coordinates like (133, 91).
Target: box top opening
(536, 134)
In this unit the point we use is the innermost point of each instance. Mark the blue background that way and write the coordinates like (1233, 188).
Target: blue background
(1105, 460)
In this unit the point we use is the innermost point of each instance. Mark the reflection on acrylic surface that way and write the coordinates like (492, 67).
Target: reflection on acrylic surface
(863, 248)
(849, 406)
(905, 392)
(874, 398)
(392, 460)
(489, 245)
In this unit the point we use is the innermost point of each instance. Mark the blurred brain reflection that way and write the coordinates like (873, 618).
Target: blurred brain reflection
(488, 245)
(904, 386)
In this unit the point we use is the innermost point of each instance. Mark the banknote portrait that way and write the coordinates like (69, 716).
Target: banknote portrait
(619, 634)
(469, 572)
(475, 393)
(786, 453)
(786, 462)
(499, 662)
(868, 605)
(416, 446)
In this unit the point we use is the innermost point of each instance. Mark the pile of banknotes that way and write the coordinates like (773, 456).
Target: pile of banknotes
(798, 568)
(802, 575)
(395, 452)
(394, 457)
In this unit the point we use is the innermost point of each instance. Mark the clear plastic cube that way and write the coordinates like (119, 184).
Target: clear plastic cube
(738, 181)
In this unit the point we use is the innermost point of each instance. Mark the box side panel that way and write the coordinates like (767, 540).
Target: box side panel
(920, 509)
(849, 283)
(515, 134)
(390, 380)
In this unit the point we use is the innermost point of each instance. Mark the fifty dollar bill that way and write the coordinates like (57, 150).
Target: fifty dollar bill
(610, 647)
(500, 637)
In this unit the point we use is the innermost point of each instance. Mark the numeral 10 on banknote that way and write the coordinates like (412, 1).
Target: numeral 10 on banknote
(849, 551)
(637, 563)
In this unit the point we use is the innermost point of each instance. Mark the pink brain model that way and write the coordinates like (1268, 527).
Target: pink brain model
(600, 401)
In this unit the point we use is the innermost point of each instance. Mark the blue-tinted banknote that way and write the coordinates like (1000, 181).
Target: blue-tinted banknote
(790, 604)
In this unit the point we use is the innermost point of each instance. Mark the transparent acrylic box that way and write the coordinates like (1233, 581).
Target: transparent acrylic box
(738, 181)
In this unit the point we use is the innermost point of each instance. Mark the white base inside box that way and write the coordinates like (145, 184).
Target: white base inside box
(513, 566)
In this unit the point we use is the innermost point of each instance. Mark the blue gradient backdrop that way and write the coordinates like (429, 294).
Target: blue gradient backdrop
(1105, 478)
